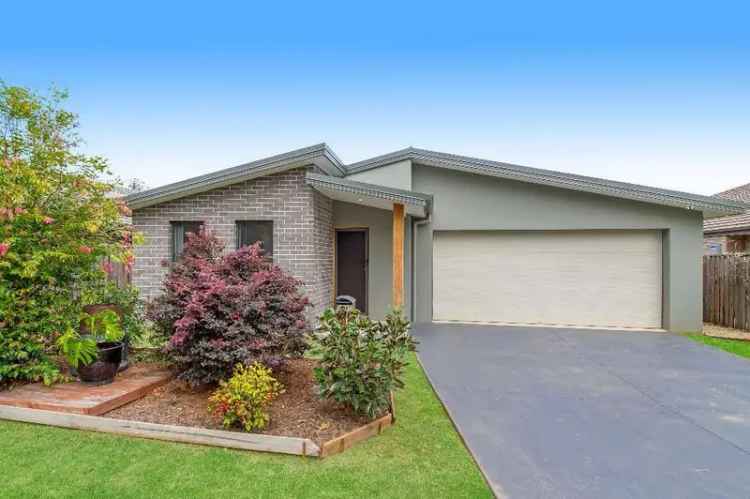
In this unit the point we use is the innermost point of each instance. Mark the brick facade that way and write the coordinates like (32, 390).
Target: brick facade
(302, 229)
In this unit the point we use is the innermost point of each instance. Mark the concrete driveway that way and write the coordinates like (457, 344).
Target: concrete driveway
(589, 413)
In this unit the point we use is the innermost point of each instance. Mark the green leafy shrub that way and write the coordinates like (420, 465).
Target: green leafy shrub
(243, 399)
(56, 223)
(361, 360)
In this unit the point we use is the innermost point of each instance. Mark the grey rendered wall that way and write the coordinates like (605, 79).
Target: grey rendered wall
(397, 175)
(472, 202)
(302, 231)
(380, 268)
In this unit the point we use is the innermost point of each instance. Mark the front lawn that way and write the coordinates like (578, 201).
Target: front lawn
(737, 347)
(422, 456)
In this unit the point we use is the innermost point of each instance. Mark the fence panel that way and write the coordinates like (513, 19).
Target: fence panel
(726, 290)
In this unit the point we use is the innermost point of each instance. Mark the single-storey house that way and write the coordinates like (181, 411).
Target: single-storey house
(730, 234)
(450, 238)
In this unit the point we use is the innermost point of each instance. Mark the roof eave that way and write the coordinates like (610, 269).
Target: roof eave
(318, 155)
(419, 201)
(710, 207)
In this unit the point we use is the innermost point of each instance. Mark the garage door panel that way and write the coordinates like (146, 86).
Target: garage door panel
(586, 278)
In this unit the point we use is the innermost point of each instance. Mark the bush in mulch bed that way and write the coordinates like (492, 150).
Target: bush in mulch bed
(361, 360)
(218, 310)
(243, 399)
(297, 412)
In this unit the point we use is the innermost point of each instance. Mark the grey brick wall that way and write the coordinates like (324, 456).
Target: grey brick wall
(302, 230)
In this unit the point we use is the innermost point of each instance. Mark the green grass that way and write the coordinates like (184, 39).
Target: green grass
(421, 456)
(737, 347)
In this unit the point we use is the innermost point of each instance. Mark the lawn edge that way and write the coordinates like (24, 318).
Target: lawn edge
(497, 492)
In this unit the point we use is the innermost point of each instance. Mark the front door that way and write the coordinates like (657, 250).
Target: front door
(351, 265)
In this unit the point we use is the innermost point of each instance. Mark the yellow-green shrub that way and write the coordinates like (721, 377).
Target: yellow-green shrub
(243, 399)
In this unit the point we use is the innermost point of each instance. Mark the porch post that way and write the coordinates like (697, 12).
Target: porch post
(398, 255)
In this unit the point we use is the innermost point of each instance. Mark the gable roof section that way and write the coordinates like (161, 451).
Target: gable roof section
(731, 223)
(319, 155)
(417, 203)
(741, 193)
(711, 206)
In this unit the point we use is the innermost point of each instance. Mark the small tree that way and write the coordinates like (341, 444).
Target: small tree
(220, 310)
(56, 223)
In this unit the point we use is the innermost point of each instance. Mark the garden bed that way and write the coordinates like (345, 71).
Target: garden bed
(298, 412)
(301, 423)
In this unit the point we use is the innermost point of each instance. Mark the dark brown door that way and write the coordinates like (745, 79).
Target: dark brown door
(351, 265)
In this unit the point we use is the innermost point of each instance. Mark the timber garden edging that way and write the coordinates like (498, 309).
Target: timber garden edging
(193, 435)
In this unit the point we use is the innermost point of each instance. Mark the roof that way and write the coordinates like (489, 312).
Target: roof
(319, 155)
(735, 222)
(416, 203)
(741, 193)
(710, 205)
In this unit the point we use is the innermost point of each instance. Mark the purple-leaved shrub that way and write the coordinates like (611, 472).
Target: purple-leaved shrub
(218, 310)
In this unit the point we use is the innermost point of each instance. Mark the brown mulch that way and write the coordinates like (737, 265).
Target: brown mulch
(298, 412)
(725, 332)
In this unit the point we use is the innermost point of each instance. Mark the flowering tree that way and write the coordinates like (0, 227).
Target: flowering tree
(56, 223)
(220, 310)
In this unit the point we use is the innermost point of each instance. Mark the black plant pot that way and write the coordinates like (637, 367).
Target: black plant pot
(103, 370)
(125, 362)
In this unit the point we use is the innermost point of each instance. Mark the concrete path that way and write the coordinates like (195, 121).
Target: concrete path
(570, 413)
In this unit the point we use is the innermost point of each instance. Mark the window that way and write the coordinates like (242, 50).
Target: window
(250, 232)
(180, 231)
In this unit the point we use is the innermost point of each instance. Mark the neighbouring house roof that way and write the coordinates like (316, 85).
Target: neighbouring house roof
(709, 205)
(319, 155)
(731, 223)
(378, 196)
(327, 161)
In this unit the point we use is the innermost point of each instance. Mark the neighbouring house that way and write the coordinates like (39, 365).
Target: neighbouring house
(451, 238)
(729, 234)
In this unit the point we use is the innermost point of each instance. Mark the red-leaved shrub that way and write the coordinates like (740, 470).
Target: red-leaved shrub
(220, 310)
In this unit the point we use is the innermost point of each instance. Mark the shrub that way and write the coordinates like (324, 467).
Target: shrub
(243, 399)
(56, 223)
(218, 311)
(362, 360)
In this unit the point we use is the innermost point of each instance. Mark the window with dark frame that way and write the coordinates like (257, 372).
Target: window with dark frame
(251, 231)
(180, 230)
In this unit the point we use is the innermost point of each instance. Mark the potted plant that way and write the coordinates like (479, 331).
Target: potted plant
(95, 356)
(90, 310)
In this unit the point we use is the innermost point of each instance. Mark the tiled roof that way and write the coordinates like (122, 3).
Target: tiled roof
(733, 222)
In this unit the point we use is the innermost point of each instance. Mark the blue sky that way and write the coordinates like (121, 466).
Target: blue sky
(653, 94)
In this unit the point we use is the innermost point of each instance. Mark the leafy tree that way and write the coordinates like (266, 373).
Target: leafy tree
(56, 224)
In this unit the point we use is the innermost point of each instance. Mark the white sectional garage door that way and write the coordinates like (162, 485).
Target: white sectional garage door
(579, 278)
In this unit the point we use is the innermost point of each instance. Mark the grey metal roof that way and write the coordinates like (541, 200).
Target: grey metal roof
(711, 206)
(371, 190)
(319, 155)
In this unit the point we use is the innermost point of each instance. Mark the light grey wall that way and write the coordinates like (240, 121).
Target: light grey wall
(397, 175)
(380, 268)
(472, 202)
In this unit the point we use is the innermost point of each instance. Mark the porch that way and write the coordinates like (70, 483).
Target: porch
(372, 241)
